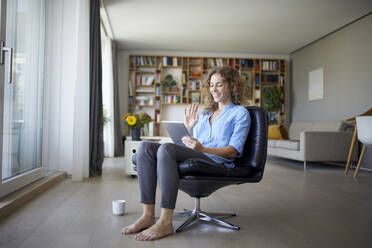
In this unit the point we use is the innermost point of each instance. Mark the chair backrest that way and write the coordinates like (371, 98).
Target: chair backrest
(364, 128)
(255, 148)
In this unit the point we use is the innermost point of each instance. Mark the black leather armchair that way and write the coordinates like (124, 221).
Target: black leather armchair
(200, 179)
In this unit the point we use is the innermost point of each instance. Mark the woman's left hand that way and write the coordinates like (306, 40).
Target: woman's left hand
(192, 143)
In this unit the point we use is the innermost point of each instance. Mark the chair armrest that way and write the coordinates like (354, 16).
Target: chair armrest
(326, 146)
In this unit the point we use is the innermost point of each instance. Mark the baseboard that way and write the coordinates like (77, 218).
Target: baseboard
(16, 200)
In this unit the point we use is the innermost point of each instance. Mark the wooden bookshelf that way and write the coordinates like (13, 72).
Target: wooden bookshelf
(146, 73)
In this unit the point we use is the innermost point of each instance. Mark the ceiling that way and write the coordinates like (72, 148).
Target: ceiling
(241, 26)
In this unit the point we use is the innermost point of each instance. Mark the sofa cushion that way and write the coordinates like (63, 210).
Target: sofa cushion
(326, 126)
(277, 132)
(288, 144)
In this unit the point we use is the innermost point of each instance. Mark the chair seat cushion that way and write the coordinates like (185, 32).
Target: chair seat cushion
(201, 167)
(288, 144)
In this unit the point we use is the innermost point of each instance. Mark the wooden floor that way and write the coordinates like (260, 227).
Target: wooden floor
(320, 207)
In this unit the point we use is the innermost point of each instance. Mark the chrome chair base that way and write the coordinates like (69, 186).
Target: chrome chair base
(197, 214)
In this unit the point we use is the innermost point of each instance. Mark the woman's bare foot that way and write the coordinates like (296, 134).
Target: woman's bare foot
(142, 223)
(157, 231)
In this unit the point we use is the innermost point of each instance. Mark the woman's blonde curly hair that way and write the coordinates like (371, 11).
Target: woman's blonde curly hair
(235, 82)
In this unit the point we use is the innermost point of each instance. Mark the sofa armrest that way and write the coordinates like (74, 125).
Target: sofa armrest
(326, 146)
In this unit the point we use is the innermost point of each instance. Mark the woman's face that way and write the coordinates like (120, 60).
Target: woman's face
(219, 89)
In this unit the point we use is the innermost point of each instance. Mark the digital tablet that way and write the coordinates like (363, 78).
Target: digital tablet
(176, 131)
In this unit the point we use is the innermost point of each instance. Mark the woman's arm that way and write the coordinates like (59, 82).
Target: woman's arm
(227, 152)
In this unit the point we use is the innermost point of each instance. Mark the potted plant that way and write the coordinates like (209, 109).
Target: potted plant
(271, 99)
(168, 83)
(136, 122)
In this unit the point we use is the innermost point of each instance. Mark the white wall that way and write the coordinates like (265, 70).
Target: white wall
(346, 57)
(171, 112)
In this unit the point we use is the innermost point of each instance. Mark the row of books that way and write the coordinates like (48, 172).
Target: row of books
(247, 63)
(171, 61)
(172, 99)
(144, 80)
(269, 78)
(216, 62)
(145, 60)
(194, 84)
(269, 65)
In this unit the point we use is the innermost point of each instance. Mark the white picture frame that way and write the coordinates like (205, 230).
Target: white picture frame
(316, 84)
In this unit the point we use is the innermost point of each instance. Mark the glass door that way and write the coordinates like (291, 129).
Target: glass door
(21, 92)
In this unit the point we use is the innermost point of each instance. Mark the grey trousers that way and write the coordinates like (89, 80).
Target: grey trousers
(158, 162)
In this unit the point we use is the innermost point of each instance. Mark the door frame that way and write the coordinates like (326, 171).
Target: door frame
(12, 184)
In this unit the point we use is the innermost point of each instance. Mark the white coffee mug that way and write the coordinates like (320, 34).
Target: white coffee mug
(118, 207)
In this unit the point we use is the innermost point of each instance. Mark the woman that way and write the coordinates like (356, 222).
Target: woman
(219, 134)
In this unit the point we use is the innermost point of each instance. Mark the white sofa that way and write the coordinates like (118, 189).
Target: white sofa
(314, 141)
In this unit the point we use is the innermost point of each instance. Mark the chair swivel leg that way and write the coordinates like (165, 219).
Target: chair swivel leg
(198, 214)
(219, 222)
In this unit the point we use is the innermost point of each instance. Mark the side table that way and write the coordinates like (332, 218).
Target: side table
(131, 147)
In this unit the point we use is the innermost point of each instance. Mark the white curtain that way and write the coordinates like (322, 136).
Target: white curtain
(108, 95)
(67, 85)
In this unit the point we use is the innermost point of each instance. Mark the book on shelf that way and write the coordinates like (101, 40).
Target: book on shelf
(281, 80)
(144, 80)
(282, 66)
(184, 77)
(257, 65)
(157, 77)
(175, 61)
(257, 79)
(130, 103)
(157, 90)
(130, 88)
(157, 104)
(172, 99)
(184, 90)
(257, 93)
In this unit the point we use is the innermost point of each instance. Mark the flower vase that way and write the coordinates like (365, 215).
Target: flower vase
(136, 133)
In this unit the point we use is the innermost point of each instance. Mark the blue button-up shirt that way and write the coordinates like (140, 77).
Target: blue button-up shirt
(230, 128)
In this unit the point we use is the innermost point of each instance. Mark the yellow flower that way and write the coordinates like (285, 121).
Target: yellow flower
(125, 116)
(131, 120)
